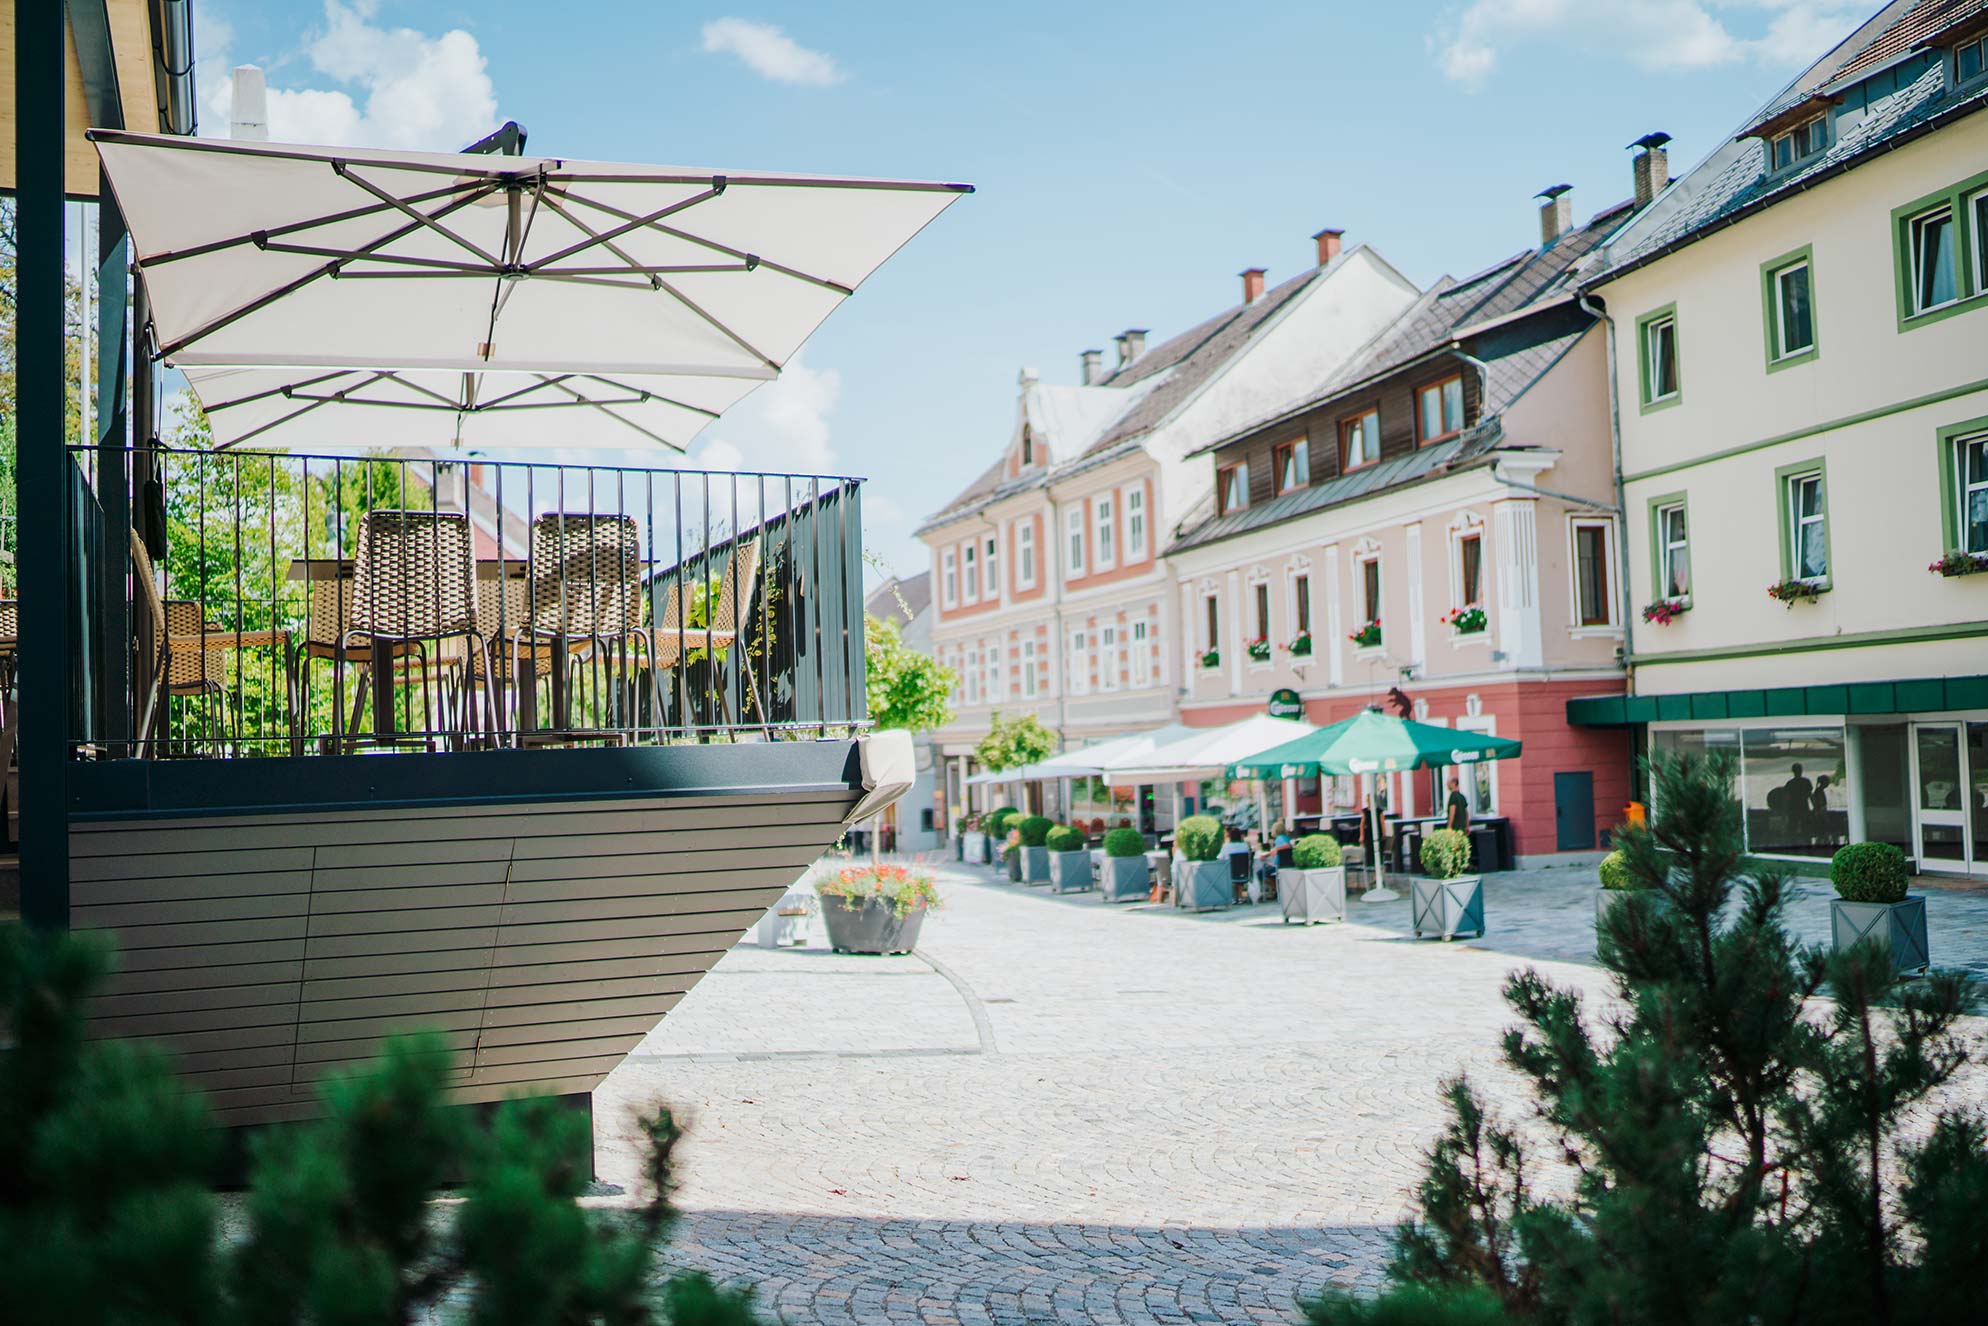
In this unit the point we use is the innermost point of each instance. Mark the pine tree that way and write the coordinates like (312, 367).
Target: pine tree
(1739, 1147)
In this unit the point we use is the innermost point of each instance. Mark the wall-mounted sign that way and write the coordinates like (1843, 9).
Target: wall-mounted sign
(1286, 704)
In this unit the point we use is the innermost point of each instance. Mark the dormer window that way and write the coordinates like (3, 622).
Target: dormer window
(1798, 144)
(1232, 483)
(1970, 59)
(1028, 445)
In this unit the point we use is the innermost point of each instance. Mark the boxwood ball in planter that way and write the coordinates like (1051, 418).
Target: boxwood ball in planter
(1202, 882)
(1617, 883)
(1313, 887)
(1127, 876)
(1447, 902)
(1069, 860)
(1034, 831)
(875, 909)
(1872, 906)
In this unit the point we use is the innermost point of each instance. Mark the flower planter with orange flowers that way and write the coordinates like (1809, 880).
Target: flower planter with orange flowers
(875, 909)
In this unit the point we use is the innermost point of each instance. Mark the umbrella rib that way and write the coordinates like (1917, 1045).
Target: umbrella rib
(653, 437)
(292, 227)
(344, 171)
(538, 383)
(298, 283)
(441, 266)
(653, 396)
(286, 389)
(711, 244)
(613, 248)
(698, 309)
(635, 223)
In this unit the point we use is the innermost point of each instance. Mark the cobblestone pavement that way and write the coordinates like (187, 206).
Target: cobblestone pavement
(1067, 1111)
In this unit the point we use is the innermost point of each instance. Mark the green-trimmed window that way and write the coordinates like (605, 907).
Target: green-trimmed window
(1935, 252)
(1940, 247)
(1789, 295)
(1967, 493)
(1804, 524)
(1656, 347)
(1671, 533)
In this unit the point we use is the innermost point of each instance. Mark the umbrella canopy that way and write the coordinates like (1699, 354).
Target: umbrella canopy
(1207, 752)
(438, 289)
(1086, 761)
(1371, 742)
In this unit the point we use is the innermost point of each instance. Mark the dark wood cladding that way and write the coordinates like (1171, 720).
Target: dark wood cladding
(1394, 397)
(543, 939)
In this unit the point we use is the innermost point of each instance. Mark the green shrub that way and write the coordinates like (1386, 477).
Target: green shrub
(996, 822)
(1315, 851)
(1868, 872)
(1614, 871)
(1199, 837)
(1125, 842)
(1446, 853)
(1063, 838)
(1034, 829)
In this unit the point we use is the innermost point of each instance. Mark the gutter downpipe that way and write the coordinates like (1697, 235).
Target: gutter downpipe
(1601, 314)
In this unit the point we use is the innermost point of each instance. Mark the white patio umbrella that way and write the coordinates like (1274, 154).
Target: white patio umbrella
(438, 298)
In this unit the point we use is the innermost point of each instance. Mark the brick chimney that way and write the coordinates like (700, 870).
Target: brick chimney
(1651, 167)
(1092, 367)
(1252, 285)
(1328, 244)
(1131, 344)
(1556, 213)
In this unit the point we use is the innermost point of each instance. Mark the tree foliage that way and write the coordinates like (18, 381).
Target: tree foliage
(1011, 743)
(1740, 1149)
(106, 1214)
(907, 689)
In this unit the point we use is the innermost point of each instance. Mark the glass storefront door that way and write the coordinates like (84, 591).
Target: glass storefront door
(1950, 795)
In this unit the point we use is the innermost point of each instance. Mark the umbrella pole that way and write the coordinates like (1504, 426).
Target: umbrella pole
(1380, 892)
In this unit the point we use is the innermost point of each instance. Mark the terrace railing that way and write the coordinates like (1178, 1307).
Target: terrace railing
(284, 604)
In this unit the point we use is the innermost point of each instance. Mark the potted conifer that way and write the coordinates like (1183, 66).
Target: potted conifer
(1446, 901)
(1069, 859)
(1313, 887)
(1872, 906)
(1201, 880)
(1127, 876)
(1034, 836)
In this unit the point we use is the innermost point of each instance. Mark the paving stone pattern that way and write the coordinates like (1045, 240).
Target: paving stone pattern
(1067, 1111)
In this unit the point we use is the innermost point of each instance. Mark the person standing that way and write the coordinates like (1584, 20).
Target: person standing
(1456, 810)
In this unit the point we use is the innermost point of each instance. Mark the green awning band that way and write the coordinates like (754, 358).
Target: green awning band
(1923, 695)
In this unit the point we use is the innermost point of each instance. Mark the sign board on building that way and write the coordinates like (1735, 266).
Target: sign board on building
(1286, 704)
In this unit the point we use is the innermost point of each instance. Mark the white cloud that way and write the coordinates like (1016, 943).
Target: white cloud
(1653, 34)
(770, 53)
(782, 428)
(406, 88)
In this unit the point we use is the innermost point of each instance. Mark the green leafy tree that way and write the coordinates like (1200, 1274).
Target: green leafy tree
(1737, 1152)
(1011, 743)
(907, 690)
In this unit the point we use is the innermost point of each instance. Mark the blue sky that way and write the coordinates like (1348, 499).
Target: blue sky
(1131, 158)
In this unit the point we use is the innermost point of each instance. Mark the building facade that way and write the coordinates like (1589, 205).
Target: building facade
(1801, 374)
(918, 822)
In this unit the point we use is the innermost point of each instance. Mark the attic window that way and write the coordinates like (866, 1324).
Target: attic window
(1970, 59)
(1028, 445)
(1798, 144)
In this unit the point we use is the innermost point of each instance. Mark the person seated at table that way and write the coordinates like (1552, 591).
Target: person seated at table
(1266, 860)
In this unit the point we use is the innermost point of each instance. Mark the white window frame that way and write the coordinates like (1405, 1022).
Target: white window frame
(1817, 123)
(1611, 586)
(1211, 625)
(1487, 725)
(994, 694)
(1300, 581)
(1913, 229)
(973, 677)
(1667, 548)
(1073, 543)
(1782, 350)
(1030, 681)
(1650, 361)
(1142, 650)
(1369, 421)
(1025, 554)
(1974, 207)
(1238, 478)
(949, 578)
(991, 560)
(970, 563)
(1980, 40)
(1361, 560)
(1135, 524)
(1078, 666)
(1962, 488)
(1108, 657)
(1105, 538)
(1791, 494)
(1467, 525)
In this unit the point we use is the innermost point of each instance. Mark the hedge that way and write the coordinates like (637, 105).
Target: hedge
(1063, 838)
(1868, 872)
(1199, 837)
(1125, 842)
(1315, 851)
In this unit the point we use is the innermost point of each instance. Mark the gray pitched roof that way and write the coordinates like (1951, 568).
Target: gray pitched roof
(916, 591)
(1204, 527)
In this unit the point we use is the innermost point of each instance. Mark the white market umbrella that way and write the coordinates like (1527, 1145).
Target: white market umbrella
(1207, 752)
(418, 297)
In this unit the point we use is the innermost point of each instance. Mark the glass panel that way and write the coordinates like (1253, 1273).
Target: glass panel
(1301, 461)
(1939, 767)
(1792, 789)
(1303, 590)
(1453, 405)
(1784, 150)
(1471, 552)
(1263, 612)
(1797, 320)
(1972, 464)
(1591, 568)
(1811, 553)
(1977, 792)
(1887, 775)
(1677, 551)
(1432, 411)
(1967, 60)
(1933, 260)
(1370, 584)
(1663, 359)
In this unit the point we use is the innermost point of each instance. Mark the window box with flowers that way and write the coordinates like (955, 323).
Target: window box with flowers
(1664, 611)
(1300, 646)
(1366, 637)
(1960, 564)
(1466, 621)
(1212, 659)
(1788, 593)
(875, 908)
(1259, 650)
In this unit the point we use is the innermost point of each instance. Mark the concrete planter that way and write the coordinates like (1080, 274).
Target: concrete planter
(975, 849)
(1070, 871)
(1126, 878)
(1035, 865)
(1899, 926)
(1202, 886)
(1310, 896)
(872, 926)
(1447, 908)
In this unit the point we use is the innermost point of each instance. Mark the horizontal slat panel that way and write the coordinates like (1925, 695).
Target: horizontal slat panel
(261, 930)
(172, 1022)
(140, 887)
(123, 915)
(198, 859)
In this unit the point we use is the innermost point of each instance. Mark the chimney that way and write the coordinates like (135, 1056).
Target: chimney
(248, 117)
(1131, 344)
(1093, 367)
(1252, 285)
(1556, 213)
(1328, 244)
(1651, 166)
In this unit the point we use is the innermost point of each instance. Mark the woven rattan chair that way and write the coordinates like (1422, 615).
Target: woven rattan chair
(414, 584)
(670, 641)
(586, 599)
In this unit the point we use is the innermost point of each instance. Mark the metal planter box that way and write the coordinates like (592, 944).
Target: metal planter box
(1127, 878)
(1013, 862)
(1202, 886)
(959, 848)
(1899, 926)
(1070, 871)
(1311, 896)
(1035, 865)
(976, 849)
(871, 927)
(1447, 908)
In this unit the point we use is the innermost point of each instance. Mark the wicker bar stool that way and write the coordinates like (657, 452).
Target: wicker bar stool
(585, 601)
(414, 583)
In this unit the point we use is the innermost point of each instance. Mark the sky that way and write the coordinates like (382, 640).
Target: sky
(1130, 159)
